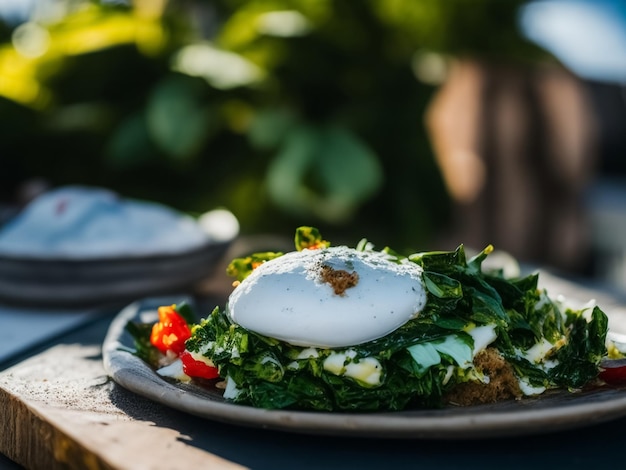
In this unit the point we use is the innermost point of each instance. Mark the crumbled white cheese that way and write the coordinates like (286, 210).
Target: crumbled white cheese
(335, 362)
(528, 389)
(231, 391)
(483, 336)
(538, 351)
(198, 356)
(367, 370)
(308, 353)
(174, 371)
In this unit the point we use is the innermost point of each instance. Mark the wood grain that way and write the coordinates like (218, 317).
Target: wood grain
(59, 411)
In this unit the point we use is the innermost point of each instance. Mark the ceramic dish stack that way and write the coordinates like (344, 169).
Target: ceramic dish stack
(79, 246)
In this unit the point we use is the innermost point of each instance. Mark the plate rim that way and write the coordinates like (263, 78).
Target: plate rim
(125, 258)
(91, 282)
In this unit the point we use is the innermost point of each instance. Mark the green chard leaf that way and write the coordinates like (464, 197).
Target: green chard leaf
(309, 237)
(475, 263)
(140, 333)
(240, 268)
(580, 357)
(442, 286)
(186, 311)
(441, 261)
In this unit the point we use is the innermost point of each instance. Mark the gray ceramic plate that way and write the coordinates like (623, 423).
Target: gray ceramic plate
(70, 283)
(551, 412)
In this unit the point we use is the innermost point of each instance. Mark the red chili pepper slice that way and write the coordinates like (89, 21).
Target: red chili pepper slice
(613, 371)
(171, 332)
(194, 368)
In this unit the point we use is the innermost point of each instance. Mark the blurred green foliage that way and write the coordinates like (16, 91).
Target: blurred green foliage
(287, 112)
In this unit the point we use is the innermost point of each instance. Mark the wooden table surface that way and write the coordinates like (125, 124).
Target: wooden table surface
(59, 410)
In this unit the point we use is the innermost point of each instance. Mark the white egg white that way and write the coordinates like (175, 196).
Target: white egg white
(288, 298)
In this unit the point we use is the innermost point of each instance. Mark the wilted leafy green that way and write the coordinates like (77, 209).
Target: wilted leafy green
(421, 360)
(309, 237)
(326, 170)
(240, 268)
(416, 358)
(141, 339)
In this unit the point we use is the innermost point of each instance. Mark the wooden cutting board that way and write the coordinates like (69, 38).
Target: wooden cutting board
(59, 410)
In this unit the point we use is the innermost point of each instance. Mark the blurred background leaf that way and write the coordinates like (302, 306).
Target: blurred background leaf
(323, 173)
(179, 117)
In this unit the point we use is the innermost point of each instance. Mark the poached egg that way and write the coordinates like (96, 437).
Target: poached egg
(329, 298)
